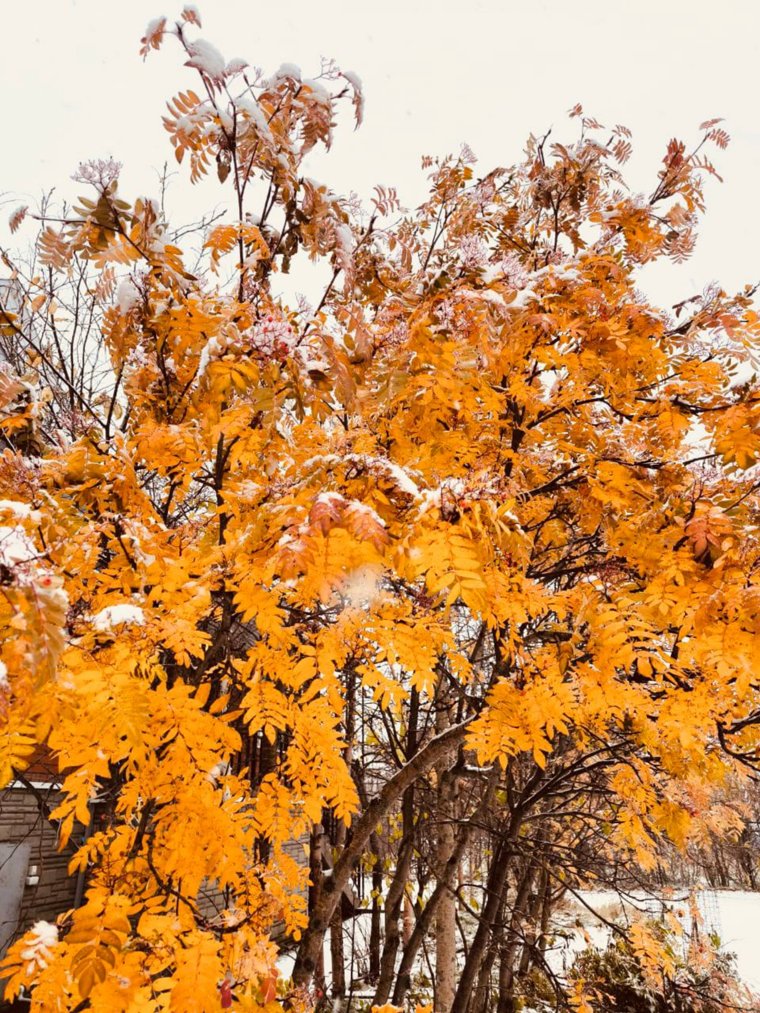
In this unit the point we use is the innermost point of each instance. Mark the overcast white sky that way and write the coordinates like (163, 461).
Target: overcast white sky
(435, 74)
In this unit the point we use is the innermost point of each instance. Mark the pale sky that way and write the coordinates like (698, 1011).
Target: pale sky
(435, 74)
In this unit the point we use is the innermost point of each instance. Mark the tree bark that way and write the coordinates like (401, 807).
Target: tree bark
(408, 920)
(512, 941)
(316, 878)
(375, 931)
(394, 900)
(376, 811)
(533, 925)
(497, 878)
(337, 959)
(444, 885)
(445, 919)
(424, 923)
(393, 907)
(337, 956)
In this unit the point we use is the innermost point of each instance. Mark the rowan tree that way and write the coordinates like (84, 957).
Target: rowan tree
(484, 486)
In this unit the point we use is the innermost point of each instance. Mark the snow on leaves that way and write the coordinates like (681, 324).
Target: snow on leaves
(470, 471)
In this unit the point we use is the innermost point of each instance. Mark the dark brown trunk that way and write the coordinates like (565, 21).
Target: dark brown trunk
(266, 761)
(336, 955)
(393, 907)
(425, 920)
(512, 940)
(480, 1001)
(532, 923)
(375, 931)
(315, 890)
(375, 812)
(497, 878)
(445, 920)
(394, 900)
(444, 885)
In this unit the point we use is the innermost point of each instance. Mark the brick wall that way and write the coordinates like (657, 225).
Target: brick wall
(210, 901)
(20, 820)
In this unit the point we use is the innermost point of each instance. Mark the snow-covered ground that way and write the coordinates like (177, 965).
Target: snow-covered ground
(740, 931)
(733, 915)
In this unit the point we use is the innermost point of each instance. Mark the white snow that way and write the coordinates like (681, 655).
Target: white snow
(226, 120)
(154, 25)
(365, 510)
(213, 348)
(402, 479)
(191, 13)
(207, 59)
(39, 947)
(21, 510)
(118, 615)
(565, 272)
(353, 79)
(235, 66)
(738, 931)
(127, 295)
(733, 915)
(319, 90)
(291, 70)
(312, 365)
(523, 297)
(487, 295)
(433, 498)
(491, 273)
(509, 268)
(345, 239)
(374, 465)
(356, 83)
(291, 542)
(330, 499)
(15, 546)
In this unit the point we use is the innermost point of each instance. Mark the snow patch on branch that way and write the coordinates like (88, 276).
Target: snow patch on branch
(16, 547)
(207, 59)
(286, 71)
(127, 295)
(42, 940)
(20, 510)
(118, 615)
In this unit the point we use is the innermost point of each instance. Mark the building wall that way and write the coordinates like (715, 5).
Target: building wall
(210, 901)
(21, 820)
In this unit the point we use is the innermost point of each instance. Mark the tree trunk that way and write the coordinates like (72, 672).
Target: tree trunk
(480, 1002)
(376, 811)
(393, 907)
(337, 958)
(445, 919)
(395, 898)
(444, 885)
(426, 917)
(506, 1002)
(512, 940)
(535, 924)
(408, 920)
(497, 878)
(375, 932)
(316, 878)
